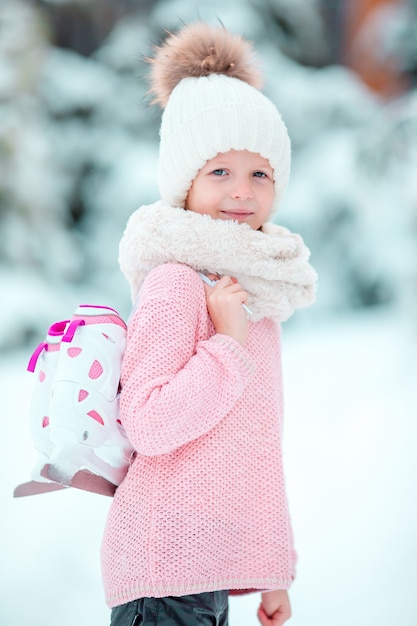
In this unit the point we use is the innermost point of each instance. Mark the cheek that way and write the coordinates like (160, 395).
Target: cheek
(195, 192)
(269, 197)
(196, 200)
(189, 201)
(201, 197)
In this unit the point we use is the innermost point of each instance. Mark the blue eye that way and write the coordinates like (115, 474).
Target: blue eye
(260, 174)
(219, 172)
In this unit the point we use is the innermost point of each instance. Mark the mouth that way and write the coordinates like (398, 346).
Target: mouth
(237, 214)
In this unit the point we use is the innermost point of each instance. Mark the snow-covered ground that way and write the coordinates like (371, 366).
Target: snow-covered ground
(351, 399)
(350, 438)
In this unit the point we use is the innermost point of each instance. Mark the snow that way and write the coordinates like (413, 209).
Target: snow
(351, 469)
(75, 131)
(79, 147)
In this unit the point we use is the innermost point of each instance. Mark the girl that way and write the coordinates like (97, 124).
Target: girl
(203, 511)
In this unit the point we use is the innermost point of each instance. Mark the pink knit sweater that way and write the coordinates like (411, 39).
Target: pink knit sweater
(203, 506)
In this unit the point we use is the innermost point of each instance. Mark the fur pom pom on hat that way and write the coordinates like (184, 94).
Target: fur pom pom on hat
(207, 81)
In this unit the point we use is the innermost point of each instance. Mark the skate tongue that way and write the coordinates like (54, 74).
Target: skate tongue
(83, 479)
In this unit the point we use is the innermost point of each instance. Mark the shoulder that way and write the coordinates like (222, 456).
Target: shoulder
(174, 272)
(170, 291)
(174, 283)
(168, 277)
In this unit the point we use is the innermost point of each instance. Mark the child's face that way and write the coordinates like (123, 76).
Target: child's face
(235, 185)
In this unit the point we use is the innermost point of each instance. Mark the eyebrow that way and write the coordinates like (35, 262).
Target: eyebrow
(219, 164)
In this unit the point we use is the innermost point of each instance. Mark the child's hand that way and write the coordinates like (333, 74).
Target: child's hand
(275, 609)
(224, 304)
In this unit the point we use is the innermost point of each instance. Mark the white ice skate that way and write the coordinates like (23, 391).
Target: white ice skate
(75, 419)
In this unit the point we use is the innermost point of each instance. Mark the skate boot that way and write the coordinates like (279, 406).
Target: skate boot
(85, 445)
(43, 364)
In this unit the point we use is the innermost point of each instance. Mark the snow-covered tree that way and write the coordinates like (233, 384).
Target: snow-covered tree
(78, 147)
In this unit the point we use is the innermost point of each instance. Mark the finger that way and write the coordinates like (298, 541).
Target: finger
(263, 617)
(280, 617)
(224, 287)
(234, 288)
(215, 277)
(224, 281)
(238, 291)
(234, 291)
(229, 285)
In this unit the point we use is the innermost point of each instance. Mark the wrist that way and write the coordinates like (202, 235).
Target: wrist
(274, 600)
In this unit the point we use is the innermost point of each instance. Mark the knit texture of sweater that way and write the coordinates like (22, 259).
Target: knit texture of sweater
(203, 506)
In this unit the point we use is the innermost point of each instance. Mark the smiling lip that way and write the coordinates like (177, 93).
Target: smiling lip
(237, 215)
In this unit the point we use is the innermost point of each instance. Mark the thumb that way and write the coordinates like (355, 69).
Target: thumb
(263, 617)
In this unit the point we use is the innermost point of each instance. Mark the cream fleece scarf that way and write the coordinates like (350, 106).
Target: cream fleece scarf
(271, 265)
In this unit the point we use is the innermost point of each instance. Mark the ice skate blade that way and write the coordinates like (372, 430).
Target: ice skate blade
(34, 488)
(88, 481)
(83, 479)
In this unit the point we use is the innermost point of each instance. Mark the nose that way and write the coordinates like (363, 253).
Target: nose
(241, 190)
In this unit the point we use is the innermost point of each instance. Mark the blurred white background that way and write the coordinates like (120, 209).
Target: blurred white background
(78, 148)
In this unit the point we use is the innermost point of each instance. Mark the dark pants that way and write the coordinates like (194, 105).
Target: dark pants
(209, 609)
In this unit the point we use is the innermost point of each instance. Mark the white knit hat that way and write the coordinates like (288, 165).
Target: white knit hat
(202, 77)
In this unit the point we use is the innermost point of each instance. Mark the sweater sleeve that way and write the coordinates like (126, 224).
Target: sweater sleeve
(176, 388)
